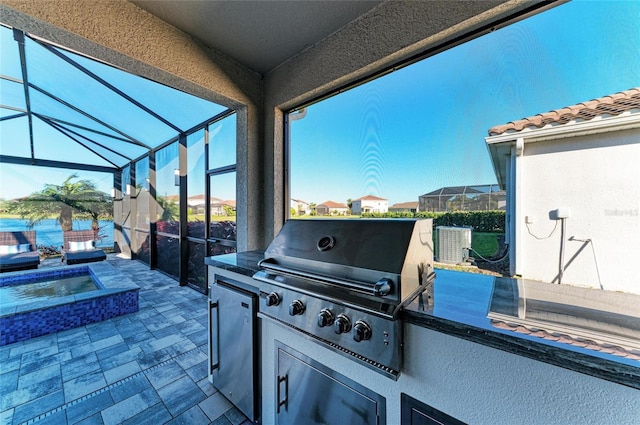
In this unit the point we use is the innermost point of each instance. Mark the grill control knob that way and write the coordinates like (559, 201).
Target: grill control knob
(272, 299)
(325, 318)
(342, 324)
(361, 331)
(296, 308)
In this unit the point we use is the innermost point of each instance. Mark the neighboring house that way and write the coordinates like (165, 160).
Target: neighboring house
(300, 207)
(197, 204)
(573, 198)
(404, 207)
(219, 207)
(464, 198)
(171, 198)
(332, 208)
(369, 204)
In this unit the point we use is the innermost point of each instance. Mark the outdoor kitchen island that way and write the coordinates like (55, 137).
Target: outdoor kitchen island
(465, 364)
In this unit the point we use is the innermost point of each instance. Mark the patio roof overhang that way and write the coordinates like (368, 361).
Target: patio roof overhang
(61, 109)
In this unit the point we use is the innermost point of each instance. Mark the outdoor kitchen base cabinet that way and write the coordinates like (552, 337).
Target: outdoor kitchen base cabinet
(310, 393)
(415, 412)
(233, 345)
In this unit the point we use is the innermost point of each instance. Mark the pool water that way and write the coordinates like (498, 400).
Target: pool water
(49, 301)
(47, 289)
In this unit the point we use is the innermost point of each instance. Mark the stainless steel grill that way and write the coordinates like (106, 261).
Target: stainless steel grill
(344, 282)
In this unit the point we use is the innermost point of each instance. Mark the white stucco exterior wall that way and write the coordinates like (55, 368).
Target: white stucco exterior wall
(369, 205)
(471, 382)
(596, 178)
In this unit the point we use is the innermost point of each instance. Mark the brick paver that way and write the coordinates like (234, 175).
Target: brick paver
(145, 367)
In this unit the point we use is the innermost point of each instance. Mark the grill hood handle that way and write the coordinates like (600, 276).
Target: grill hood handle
(381, 288)
(429, 280)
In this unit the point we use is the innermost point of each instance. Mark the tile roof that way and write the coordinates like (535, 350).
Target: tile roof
(331, 204)
(220, 202)
(371, 198)
(196, 200)
(577, 341)
(413, 205)
(613, 104)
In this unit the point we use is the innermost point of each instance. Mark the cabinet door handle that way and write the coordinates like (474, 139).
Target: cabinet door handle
(282, 401)
(214, 347)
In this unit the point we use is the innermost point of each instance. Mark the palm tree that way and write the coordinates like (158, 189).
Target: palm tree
(80, 197)
(169, 209)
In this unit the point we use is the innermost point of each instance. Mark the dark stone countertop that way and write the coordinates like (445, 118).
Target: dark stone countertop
(244, 263)
(238, 269)
(585, 330)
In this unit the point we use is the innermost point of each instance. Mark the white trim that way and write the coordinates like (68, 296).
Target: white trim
(517, 157)
(519, 146)
(625, 121)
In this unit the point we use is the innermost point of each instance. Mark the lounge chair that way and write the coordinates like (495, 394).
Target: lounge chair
(79, 246)
(18, 251)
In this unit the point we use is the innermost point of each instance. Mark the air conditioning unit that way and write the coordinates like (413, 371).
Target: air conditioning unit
(452, 244)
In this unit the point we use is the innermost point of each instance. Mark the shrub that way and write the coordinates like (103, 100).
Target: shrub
(479, 221)
(49, 251)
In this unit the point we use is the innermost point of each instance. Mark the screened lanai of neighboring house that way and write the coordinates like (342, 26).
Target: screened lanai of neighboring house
(464, 198)
(65, 110)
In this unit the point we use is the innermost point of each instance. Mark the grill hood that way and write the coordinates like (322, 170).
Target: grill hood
(358, 251)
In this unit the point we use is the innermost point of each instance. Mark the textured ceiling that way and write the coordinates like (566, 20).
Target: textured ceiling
(258, 34)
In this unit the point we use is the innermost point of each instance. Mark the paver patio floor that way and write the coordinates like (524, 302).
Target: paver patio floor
(145, 367)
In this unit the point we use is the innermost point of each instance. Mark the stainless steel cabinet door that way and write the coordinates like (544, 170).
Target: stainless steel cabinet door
(309, 393)
(231, 346)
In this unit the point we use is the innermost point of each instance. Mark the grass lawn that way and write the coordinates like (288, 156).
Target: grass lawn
(7, 215)
(307, 216)
(485, 244)
(200, 217)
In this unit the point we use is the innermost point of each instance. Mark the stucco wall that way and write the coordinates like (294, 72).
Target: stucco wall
(596, 177)
(471, 382)
(122, 34)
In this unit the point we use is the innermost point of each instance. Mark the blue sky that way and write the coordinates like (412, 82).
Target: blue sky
(70, 84)
(21, 180)
(423, 127)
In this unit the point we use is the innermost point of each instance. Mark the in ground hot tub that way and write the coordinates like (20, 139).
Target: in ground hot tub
(40, 309)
